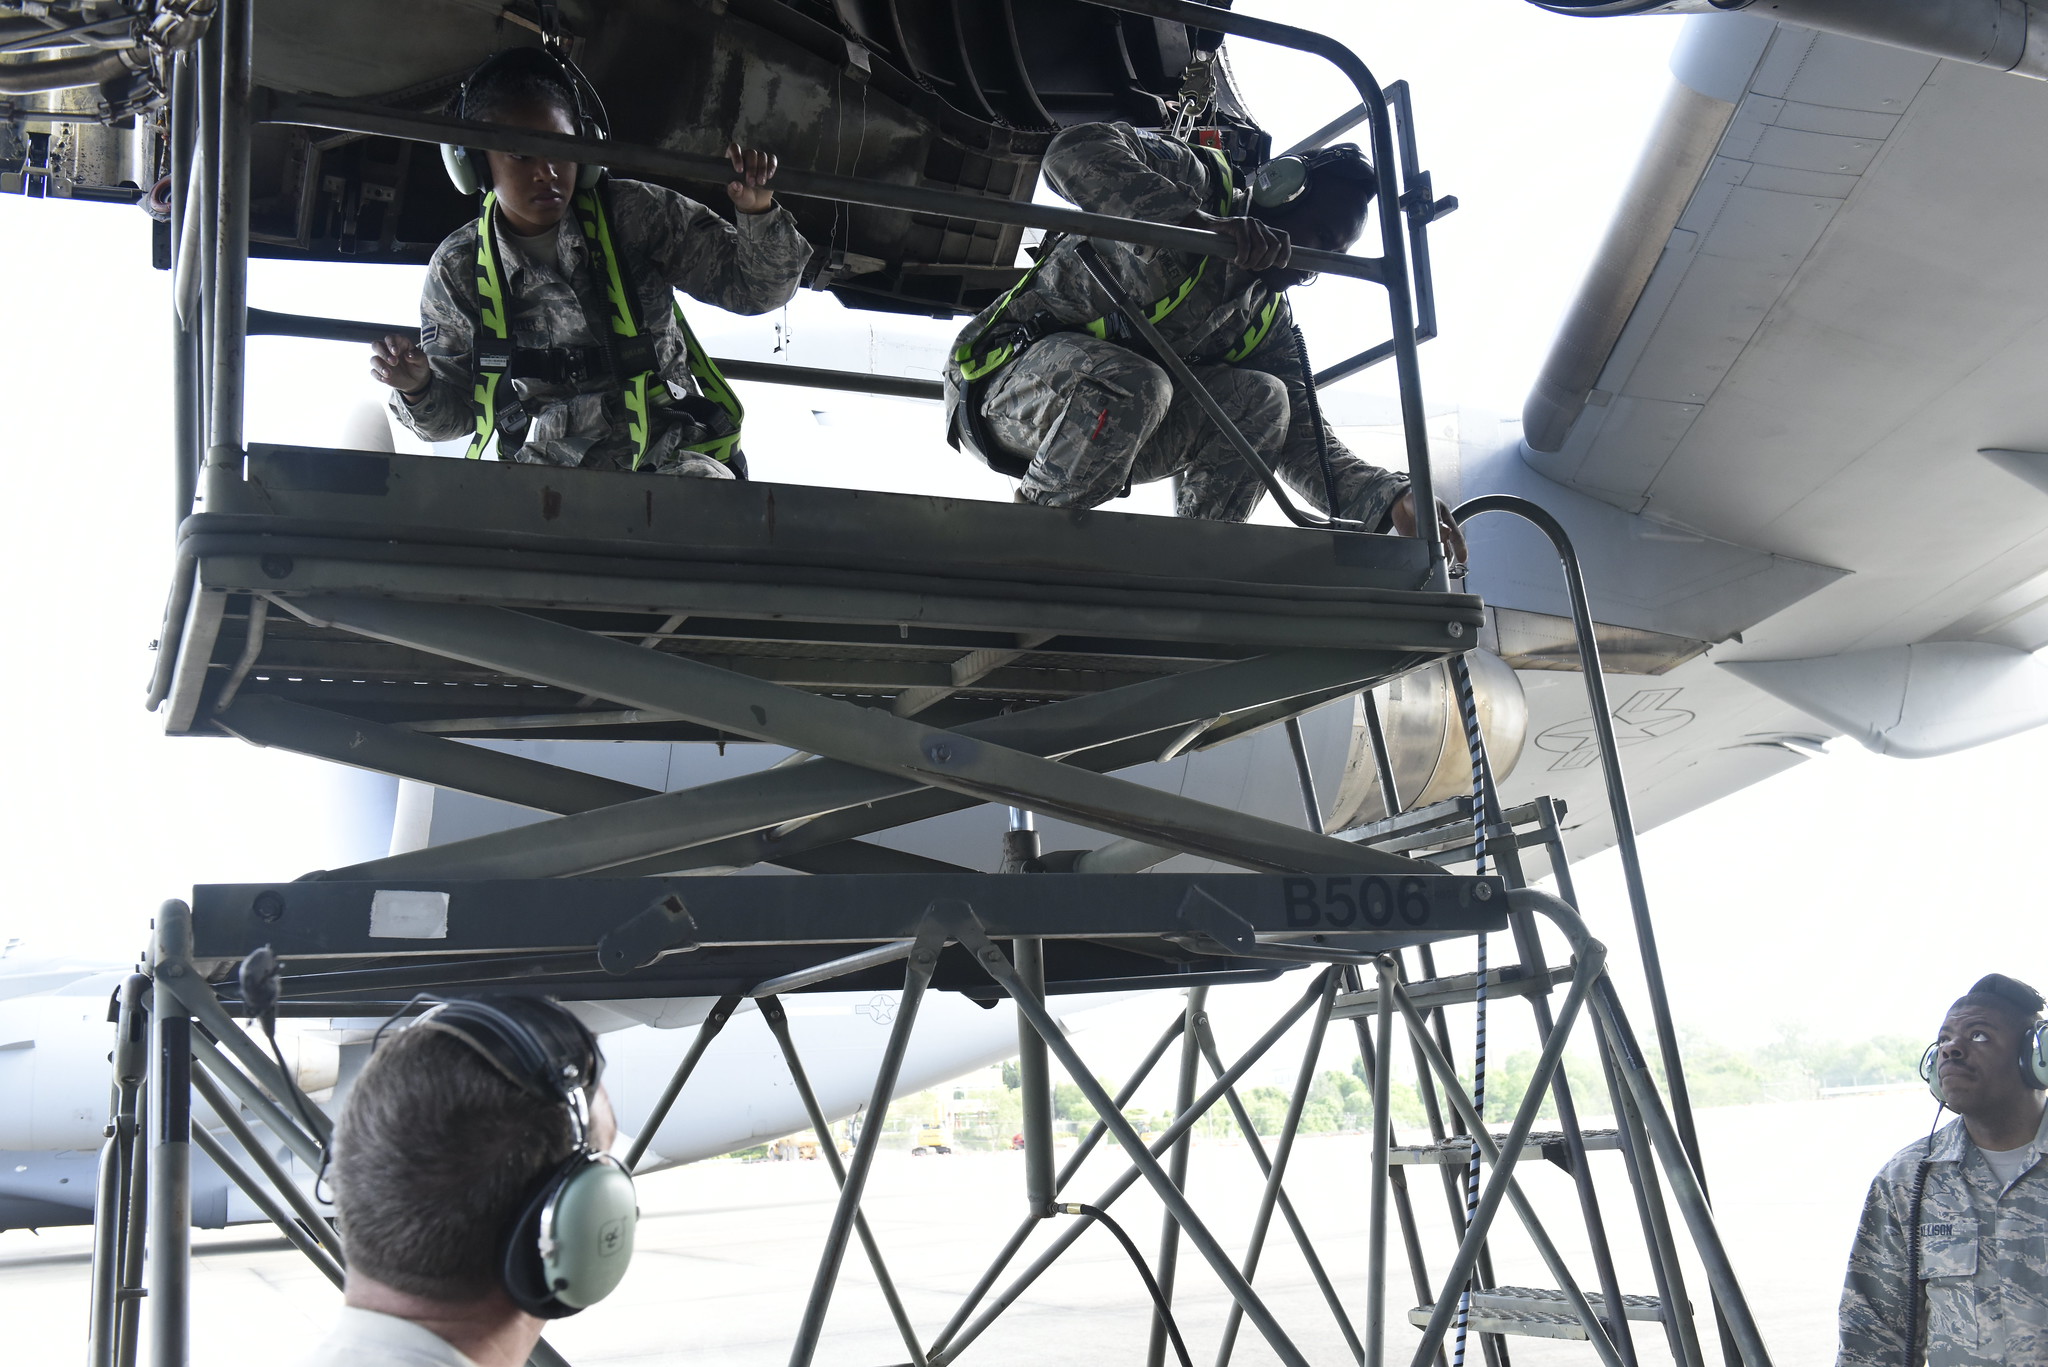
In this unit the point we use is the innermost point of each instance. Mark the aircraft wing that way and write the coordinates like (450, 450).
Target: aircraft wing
(1766, 417)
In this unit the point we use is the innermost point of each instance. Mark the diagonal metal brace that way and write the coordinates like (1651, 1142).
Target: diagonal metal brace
(917, 976)
(528, 647)
(1091, 732)
(778, 1025)
(993, 962)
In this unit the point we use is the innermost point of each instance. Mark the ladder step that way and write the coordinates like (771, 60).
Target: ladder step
(1457, 1150)
(1537, 1312)
(1429, 993)
(1444, 823)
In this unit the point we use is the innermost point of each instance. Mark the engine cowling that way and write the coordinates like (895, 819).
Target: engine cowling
(1426, 738)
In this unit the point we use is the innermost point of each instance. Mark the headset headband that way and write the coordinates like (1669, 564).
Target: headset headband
(466, 166)
(536, 1044)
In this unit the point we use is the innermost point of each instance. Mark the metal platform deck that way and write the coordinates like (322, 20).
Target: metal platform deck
(956, 610)
(362, 947)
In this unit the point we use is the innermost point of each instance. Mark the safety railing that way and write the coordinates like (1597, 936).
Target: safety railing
(215, 104)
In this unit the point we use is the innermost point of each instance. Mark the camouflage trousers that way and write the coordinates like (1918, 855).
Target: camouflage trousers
(1095, 417)
(586, 430)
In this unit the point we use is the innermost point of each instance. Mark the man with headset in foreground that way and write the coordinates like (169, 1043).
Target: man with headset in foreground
(1052, 386)
(1950, 1263)
(550, 322)
(475, 1197)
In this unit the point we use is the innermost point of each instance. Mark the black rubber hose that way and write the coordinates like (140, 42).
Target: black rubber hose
(1180, 1348)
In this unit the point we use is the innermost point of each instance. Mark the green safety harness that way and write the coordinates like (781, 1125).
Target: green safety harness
(978, 359)
(628, 352)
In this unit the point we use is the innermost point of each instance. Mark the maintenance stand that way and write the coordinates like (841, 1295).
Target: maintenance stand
(927, 655)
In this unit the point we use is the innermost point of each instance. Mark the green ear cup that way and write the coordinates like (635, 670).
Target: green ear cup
(587, 1233)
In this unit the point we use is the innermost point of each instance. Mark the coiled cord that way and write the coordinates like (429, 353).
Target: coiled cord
(1475, 744)
(1913, 1239)
(1913, 1262)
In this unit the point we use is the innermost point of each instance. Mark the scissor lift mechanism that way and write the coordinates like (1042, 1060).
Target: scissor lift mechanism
(926, 655)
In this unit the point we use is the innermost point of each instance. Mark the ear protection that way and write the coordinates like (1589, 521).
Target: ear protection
(1283, 180)
(568, 1245)
(468, 167)
(2033, 1061)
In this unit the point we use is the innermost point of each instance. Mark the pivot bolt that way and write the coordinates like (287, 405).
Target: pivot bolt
(1454, 629)
(268, 906)
(1484, 892)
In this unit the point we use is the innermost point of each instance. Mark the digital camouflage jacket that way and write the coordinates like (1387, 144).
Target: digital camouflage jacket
(666, 242)
(1982, 1280)
(1112, 168)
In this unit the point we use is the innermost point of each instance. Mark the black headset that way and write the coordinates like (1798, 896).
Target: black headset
(567, 1246)
(467, 166)
(1283, 180)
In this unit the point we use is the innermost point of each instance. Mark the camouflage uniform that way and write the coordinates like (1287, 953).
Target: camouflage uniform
(666, 242)
(1983, 1261)
(1094, 415)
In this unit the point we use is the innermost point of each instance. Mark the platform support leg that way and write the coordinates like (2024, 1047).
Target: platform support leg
(956, 1342)
(1168, 1263)
(117, 1193)
(778, 1025)
(134, 1246)
(1067, 1170)
(998, 967)
(230, 284)
(1276, 1171)
(1034, 1076)
(1397, 1177)
(1376, 1226)
(170, 1137)
(1034, 1084)
(916, 977)
(1314, 1260)
(708, 1031)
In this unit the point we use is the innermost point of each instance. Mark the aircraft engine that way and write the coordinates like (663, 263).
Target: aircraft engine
(54, 1076)
(1426, 739)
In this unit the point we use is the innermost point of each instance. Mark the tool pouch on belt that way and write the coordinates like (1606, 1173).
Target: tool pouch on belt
(968, 431)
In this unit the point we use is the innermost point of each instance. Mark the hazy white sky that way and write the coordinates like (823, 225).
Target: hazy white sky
(1852, 894)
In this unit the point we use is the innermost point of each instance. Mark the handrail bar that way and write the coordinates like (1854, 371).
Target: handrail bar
(1617, 798)
(265, 323)
(1393, 244)
(358, 116)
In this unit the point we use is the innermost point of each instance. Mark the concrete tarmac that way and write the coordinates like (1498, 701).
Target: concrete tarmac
(727, 1252)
